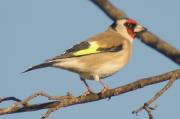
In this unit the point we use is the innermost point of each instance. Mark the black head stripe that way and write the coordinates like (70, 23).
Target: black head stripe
(113, 25)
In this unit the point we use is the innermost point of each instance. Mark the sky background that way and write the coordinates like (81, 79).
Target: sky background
(32, 31)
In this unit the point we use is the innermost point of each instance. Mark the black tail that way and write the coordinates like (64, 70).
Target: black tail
(47, 64)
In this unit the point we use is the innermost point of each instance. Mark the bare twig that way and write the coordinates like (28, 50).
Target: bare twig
(9, 99)
(147, 37)
(46, 114)
(157, 95)
(25, 101)
(52, 106)
(149, 111)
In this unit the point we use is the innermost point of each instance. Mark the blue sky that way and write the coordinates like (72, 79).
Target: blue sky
(32, 31)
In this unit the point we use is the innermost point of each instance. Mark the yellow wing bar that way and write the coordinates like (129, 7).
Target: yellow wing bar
(90, 50)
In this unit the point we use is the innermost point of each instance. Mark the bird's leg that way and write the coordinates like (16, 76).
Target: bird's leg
(105, 87)
(87, 86)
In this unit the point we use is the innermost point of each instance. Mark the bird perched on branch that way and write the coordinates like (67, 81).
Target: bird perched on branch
(99, 56)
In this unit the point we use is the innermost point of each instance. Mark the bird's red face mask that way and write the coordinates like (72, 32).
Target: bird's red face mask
(133, 28)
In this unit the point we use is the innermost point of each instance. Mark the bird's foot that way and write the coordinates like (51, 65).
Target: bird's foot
(88, 92)
(106, 88)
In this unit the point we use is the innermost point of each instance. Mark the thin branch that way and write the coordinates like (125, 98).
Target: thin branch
(157, 95)
(9, 99)
(147, 37)
(52, 106)
(149, 111)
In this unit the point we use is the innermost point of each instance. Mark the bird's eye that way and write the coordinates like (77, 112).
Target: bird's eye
(131, 26)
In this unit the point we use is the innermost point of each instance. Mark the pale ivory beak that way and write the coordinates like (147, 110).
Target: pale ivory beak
(139, 28)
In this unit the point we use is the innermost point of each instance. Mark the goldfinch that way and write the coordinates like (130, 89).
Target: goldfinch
(99, 56)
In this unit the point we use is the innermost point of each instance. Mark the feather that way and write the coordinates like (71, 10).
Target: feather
(100, 43)
(46, 64)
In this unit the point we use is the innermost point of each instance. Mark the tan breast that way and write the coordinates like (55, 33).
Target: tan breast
(106, 64)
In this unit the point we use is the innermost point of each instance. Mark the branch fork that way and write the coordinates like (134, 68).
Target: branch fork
(58, 102)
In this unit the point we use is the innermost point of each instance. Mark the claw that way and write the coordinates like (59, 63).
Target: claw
(106, 88)
(88, 92)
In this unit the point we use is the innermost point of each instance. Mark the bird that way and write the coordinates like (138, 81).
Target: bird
(99, 56)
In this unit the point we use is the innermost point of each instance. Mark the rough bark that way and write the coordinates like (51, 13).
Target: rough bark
(65, 102)
(147, 37)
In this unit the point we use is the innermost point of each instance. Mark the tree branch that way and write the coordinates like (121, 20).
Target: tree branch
(111, 11)
(10, 98)
(156, 96)
(65, 102)
(149, 111)
(68, 100)
(161, 46)
(147, 37)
